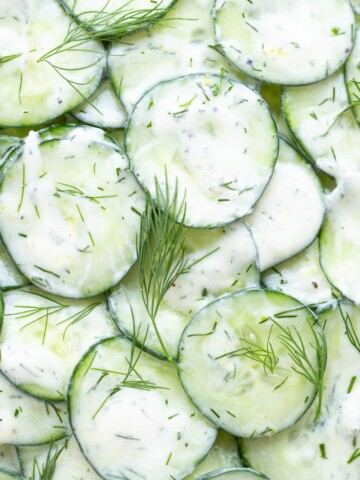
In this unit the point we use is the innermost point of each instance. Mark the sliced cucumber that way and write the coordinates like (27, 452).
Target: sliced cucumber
(339, 247)
(320, 120)
(28, 421)
(264, 39)
(323, 450)
(288, 216)
(35, 88)
(140, 425)
(230, 264)
(233, 474)
(272, 96)
(352, 74)
(224, 453)
(70, 464)
(10, 277)
(301, 277)
(180, 45)
(74, 198)
(236, 368)
(117, 16)
(103, 109)
(179, 129)
(57, 329)
(9, 459)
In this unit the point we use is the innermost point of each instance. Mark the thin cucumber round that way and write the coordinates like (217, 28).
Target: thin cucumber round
(301, 277)
(69, 460)
(10, 277)
(180, 45)
(356, 6)
(228, 262)
(40, 81)
(7, 475)
(339, 247)
(264, 40)
(322, 123)
(103, 109)
(236, 362)
(9, 459)
(289, 214)
(6, 142)
(178, 131)
(74, 197)
(223, 454)
(233, 474)
(59, 330)
(26, 420)
(352, 75)
(326, 449)
(134, 418)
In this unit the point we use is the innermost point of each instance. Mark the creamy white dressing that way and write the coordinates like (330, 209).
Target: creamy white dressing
(289, 214)
(273, 40)
(204, 130)
(62, 198)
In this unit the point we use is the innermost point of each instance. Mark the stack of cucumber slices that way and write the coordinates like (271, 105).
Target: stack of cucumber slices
(179, 246)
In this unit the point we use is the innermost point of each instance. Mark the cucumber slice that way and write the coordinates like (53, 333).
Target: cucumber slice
(224, 453)
(117, 17)
(319, 118)
(231, 358)
(180, 128)
(74, 198)
(339, 247)
(180, 45)
(272, 96)
(300, 451)
(146, 416)
(70, 464)
(10, 277)
(303, 278)
(231, 265)
(264, 39)
(57, 329)
(34, 91)
(9, 459)
(288, 216)
(233, 474)
(352, 75)
(103, 109)
(28, 421)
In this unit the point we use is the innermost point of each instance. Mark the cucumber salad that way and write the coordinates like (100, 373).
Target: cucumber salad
(179, 248)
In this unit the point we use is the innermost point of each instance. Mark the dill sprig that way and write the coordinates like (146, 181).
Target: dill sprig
(161, 249)
(349, 329)
(47, 470)
(291, 339)
(340, 114)
(263, 355)
(8, 58)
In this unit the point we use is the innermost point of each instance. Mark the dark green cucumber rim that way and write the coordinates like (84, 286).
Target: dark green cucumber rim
(347, 79)
(203, 75)
(224, 298)
(15, 156)
(222, 473)
(72, 390)
(69, 11)
(220, 49)
(10, 474)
